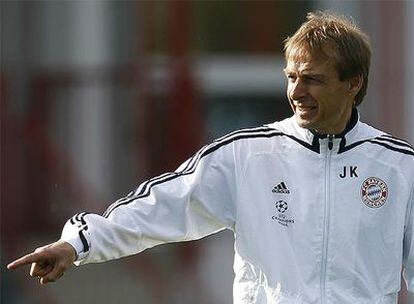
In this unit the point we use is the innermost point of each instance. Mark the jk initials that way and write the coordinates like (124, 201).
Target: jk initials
(351, 171)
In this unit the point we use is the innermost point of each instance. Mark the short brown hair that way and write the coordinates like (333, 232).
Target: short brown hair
(351, 47)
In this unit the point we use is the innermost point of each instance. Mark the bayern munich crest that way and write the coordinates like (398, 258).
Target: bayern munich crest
(374, 192)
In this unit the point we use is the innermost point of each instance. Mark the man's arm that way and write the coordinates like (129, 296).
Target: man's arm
(196, 200)
(49, 262)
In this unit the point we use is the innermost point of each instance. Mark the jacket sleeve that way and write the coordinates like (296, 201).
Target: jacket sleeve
(192, 202)
(408, 257)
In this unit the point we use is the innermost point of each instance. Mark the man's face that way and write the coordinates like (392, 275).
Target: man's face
(319, 100)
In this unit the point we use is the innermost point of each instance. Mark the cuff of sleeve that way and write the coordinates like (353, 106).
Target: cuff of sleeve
(75, 236)
(77, 244)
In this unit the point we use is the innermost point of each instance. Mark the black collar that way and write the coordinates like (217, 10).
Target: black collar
(351, 124)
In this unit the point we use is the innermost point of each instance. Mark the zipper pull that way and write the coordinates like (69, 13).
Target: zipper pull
(330, 142)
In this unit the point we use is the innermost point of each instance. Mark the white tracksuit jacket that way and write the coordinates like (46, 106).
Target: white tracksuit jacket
(316, 220)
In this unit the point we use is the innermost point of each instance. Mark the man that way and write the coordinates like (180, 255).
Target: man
(320, 203)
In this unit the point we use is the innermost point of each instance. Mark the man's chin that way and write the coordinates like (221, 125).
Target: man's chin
(305, 123)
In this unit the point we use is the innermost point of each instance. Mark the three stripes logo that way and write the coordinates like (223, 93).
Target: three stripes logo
(281, 188)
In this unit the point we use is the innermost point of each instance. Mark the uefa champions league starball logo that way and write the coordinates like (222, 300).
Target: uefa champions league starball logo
(281, 206)
(283, 218)
(374, 192)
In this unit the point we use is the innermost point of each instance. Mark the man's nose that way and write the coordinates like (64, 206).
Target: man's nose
(297, 90)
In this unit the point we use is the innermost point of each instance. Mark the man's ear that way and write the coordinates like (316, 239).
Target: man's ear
(355, 84)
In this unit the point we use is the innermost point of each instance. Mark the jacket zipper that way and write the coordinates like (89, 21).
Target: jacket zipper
(326, 216)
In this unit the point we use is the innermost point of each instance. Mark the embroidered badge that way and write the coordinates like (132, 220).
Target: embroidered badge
(374, 192)
(281, 206)
(282, 217)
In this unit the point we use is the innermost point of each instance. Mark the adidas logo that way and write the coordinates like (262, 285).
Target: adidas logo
(281, 188)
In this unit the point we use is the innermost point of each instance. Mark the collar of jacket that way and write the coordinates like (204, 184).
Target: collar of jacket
(314, 138)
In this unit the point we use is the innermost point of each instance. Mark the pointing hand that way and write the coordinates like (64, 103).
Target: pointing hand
(49, 262)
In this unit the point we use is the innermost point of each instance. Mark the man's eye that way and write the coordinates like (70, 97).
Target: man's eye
(291, 78)
(312, 80)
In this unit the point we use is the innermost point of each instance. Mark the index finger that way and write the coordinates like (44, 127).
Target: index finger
(24, 260)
